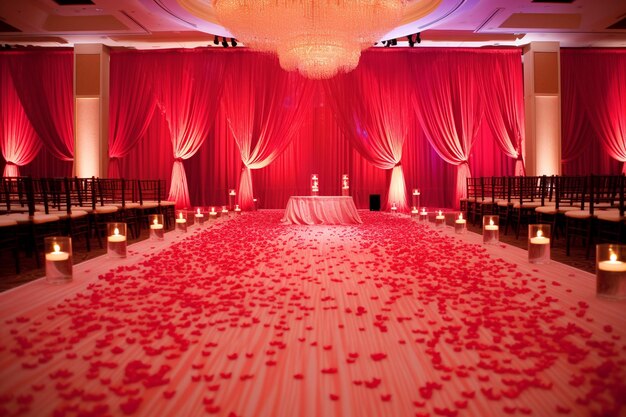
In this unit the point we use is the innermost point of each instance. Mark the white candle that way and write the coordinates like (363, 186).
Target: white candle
(116, 237)
(156, 230)
(156, 226)
(460, 220)
(539, 249)
(491, 226)
(232, 192)
(116, 244)
(57, 255)
(611, 278)
(180, 218)
(58, 266)
(612, 265)
(540, 239)
(440, 216)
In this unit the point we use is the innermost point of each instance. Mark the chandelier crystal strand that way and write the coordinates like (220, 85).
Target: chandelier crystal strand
(318, 38)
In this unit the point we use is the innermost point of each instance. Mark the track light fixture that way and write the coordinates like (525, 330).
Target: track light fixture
(233, 42)
(216, 40)
(418, 37)
(224, 43)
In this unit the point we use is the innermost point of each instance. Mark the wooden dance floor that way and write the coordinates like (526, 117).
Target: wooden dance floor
(251, 317)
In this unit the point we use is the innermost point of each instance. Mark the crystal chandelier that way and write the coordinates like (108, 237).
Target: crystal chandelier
(318, 38)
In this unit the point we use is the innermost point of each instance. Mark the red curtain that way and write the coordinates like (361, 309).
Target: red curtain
(188, 86)
(263, 106)
(373, 104)
(503, 97)
(600, 76)
(18, 141)
(131, 104)
(449, 106)
(44, 82)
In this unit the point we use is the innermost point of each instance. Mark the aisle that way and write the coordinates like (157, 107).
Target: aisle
(255, 318)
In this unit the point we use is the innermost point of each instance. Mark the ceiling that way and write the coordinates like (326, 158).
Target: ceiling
(147, 24)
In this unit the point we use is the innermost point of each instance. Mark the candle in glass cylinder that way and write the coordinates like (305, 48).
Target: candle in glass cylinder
(156, 228)
(610, 273)
(440, 219)
(199, 216)
(394, 209)
(224, 211)
(181, 223)
(491, 231)
(314, 185)
(345, 185)
(423, 215)
(237, 209)
(538, 246)
(414, 212)
(213, 214)
(116, 242)
(460, 224)
(58, 260)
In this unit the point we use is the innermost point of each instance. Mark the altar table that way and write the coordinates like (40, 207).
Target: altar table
(321, 210)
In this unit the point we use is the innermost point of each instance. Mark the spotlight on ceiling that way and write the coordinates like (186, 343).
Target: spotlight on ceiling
(418, 37)
(224, 43)
(216, 40)
(233, 42)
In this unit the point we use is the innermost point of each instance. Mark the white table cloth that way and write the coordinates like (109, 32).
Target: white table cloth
(321, 210)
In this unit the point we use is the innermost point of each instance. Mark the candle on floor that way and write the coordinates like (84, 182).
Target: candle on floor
(460, 224)
(345, 185)
(415, 197)
(414, 212)
(58, 254)
(237, 209)
(491, 230)
(224, 211)
(213, 214)
(394, 209)
(181, 222)
(440, 219)
(199, 216)
(314, 185)
(231, 198)
(611, 271)
(539, 243)
(156, 226)
(116, 240)
(423, 215)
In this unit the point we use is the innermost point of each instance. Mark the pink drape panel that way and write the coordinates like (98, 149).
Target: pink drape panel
(188, 86)
(18, 141)
(375, 110)
(450, 108)
(131, 105)
(503, 98)
(264, 110)
(44, 82)
(601, 83)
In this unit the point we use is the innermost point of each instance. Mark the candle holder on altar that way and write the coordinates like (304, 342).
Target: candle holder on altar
(181, 221)
(414, 213)
(539, 243)
(460, 224)
(345, 185)
(199, 216)
(237, 209)
(440, 219)
(416, 198)
(491, 230)
(116, 240)
(58, 254)
(213, 215)
(423, 216)
(315, 185)
(394, 208)
(156, 226)
(611, 271)
(231, 199)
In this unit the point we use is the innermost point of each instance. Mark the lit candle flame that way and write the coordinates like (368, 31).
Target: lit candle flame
(198, 211)
(613, 257)
(424, 210)
(155, 221)
(180, 215)
(539, 233)
(460, 216)
(116, 231)
(56, 248)
(440, 213)
(490, 222)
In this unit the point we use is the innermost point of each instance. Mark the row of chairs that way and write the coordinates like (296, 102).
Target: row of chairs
(31, 209)
(590, 207)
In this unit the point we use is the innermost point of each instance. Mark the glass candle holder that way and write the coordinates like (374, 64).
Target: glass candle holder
(394, 208)
(255, 204)
(440, 219)
(199, 216)
(58, 254)
(213, 214)
(156, 226)
(611, 271)
(237, 209)
(491, 230)
(423, 217)
(345, 185)
(231, 198)
(415, 198)
(116, 240)
(315, 184)
(460, 224)
(181, 221)
(539, 243)
(224, 211)
(414, 212)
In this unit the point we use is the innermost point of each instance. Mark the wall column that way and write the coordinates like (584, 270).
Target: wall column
(542, 99)
(91, 114)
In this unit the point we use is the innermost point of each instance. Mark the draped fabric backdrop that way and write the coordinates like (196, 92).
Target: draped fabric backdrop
(450, 107)
(188, 86)
(375, 112)
(18, 141)
(44, 82)
(131, 105)
(264, 108)
(601, 86)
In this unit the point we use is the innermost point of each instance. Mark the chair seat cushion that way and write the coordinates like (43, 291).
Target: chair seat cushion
(546, 210)
(76, 214)
(105, 209)
(38, 218)
(167, 203)
(610, 216)
(149, 205)
(565, 209)
(527, 204)
(579, 214)
(7, 222)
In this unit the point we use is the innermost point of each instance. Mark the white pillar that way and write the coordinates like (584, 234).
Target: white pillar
(91, 114)
(542, 98)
